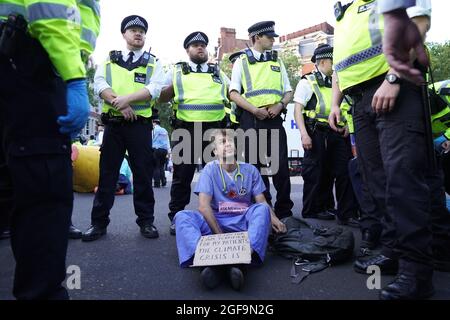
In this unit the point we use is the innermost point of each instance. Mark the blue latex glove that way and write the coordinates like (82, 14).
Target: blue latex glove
(77, 108)
(438, 144)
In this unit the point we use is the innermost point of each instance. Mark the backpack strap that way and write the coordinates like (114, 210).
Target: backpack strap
(301, 269)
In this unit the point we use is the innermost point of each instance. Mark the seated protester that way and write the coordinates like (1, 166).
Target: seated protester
(231, 200)
(124, 183)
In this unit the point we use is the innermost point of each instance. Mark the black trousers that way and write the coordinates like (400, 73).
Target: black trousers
(159, 161)
(327, 191)
(369, 218)
(6, 204)
(446, 168)
(136, 138)
(35, 173)
(392, 151)
(281, 179)
(183, 173)
(327, 159)
(440, 216)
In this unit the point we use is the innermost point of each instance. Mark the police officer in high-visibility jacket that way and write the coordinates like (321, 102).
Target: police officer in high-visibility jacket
(262, 78)
(129, 82)
(441, 122)
(327, 152)
(90, 28)
(440, 223)
(43, 102)
(369, 222)
(235, 111)
(199, 94)
(392, 149)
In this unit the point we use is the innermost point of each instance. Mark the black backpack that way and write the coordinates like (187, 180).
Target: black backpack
(312, 248)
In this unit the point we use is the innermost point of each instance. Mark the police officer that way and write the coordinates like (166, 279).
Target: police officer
(443, 89)
(369, 220)
(234, 111)
(199, 94)
(90, 28)
(160, 145)
(128, 82)
(392, 148)
(263, 79)
(327, 152)
(440, 216)
(40, 110)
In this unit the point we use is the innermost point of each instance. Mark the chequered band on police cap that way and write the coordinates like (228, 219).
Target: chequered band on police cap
(198, 37)
(254, 33)
(135, 23)
(328, 55)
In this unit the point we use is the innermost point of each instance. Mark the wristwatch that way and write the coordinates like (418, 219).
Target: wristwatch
(283, 105)
(393, 78)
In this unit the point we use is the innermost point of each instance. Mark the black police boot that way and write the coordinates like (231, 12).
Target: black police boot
(211, 277)
(93, 233)
(236, 277)
(387, 265)
(74, 233)
(149, 231)
(5, 234)
(369, 240)
(173, 231)
(409, 285)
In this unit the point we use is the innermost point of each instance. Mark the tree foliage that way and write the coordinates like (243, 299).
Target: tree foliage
(293, 66)
(440, 58)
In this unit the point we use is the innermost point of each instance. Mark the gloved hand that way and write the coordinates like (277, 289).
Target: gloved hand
(77, 108)
(438, 143)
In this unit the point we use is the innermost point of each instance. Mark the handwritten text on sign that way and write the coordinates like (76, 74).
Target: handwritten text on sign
(223, 249)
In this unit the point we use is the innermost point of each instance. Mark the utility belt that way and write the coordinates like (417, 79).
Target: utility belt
(180, 124)
(109, 119)
(356, 92)
(313, 124)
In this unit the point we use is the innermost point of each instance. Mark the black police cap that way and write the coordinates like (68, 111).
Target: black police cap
(133, 22)
(263, 28)
(194, 37)
(323, 51)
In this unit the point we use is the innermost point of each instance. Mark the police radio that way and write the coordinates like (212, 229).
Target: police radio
(339, 10)
(145, 58)
(214, 69)
(250, 56)
(115, 56)
(272, 55)
(320, 80)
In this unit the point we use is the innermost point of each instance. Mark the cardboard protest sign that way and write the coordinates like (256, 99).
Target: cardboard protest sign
(223, 249)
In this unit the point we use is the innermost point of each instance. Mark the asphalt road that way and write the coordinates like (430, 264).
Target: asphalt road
(123, 265)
